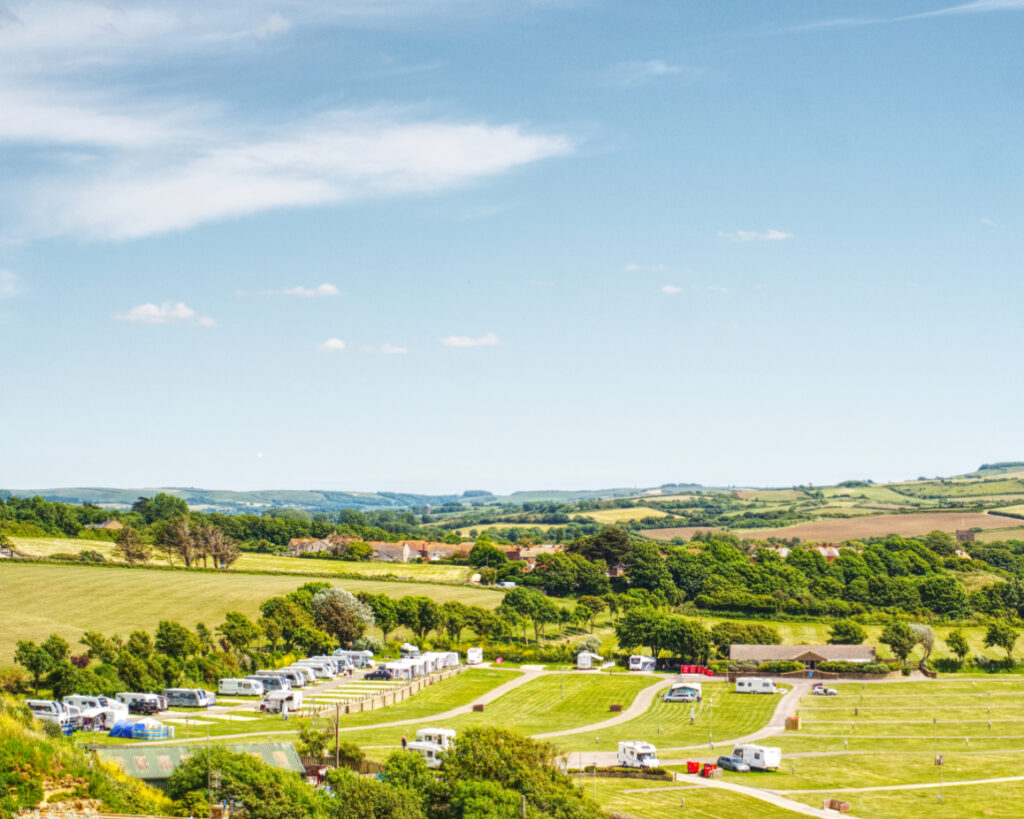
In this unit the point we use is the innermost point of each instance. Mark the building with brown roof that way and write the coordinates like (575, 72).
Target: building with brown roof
(110, 524)
(810, 656)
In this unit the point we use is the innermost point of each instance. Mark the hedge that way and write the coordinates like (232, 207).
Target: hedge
(847, 667)
(781, 666)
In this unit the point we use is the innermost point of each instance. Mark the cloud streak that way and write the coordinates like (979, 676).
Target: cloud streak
(166, 313)
(636, 73)
(332, 345)
(486, 340)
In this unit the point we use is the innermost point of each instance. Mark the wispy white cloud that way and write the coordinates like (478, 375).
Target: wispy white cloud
(770, 235)
(633, 267)
(332, 345)
(320, 290)
(387, 349)
(8, 284)
(671, 289)
(974, 7)
(486, 340)
(122, 165)
(166, 313)
(634, 73)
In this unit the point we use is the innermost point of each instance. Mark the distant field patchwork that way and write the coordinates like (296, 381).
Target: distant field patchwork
(838, 529)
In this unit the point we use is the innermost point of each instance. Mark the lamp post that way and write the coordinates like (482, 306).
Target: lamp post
(711, 714)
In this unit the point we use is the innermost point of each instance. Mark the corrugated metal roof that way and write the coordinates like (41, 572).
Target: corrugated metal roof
(160, 762)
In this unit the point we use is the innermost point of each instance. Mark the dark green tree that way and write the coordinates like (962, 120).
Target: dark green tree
(847, 632)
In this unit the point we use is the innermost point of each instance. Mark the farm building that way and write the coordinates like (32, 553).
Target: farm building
(109, 524)
(333, 543)
(810, 656)
(154, 766)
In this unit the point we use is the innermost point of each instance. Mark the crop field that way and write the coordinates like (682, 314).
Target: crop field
(962, 488)
(771, 494)
(611, 516)
(250, 561)
(667, 725)
(839, 529)
(39, 599)
(1000, 534)
(884, 737)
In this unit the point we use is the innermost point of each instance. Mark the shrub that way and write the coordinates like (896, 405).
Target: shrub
(780, 666)
(368, 643)
(846, 667)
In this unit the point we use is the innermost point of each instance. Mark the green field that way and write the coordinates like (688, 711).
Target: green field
(250, 561)
(663, 800)
(39, 599)
(667, 725)
(612, 516)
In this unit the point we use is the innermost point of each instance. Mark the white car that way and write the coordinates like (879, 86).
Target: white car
(824, 691)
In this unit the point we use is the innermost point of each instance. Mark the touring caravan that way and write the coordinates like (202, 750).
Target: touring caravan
(637, 662)
(445, 737)
(189, 697)
(56, 712)
(430, 743)
(587, 659)
(142, 703)
(245, 688)
(408, 650)
(683, 692)
(295, 678)
(308, 674)
(271, 680)
(97, 712)
(758, 757)
(755, 685)
(474, 656)
(359, 659)
(635, 754)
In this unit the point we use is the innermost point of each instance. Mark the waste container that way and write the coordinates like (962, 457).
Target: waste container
(692, 767)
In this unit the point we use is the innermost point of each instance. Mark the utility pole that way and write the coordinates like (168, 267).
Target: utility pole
(337, 732)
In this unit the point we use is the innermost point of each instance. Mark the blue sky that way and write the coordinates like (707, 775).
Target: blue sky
(455, 244)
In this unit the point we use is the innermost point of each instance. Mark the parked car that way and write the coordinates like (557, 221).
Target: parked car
(733, 763)
(378, 674)
(824, 691)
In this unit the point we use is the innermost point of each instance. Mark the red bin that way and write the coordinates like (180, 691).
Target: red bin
(692, 767)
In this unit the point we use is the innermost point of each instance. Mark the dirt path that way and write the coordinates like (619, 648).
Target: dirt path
(771, 797)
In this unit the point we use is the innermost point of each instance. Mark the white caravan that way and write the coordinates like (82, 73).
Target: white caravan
(430, 743)
(755, 685)
(97, 712)
(295, 679)
(53, 711)
(636, 754)
(244, 688)
(408, 650)
(758, 757)
(307, 673)
(474, 656)
(637, 662)
(445, 737)
(586, 659)
(190, 697)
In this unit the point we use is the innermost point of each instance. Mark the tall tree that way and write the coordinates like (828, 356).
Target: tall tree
(1001, 635)
(129, 546)
(177, 537)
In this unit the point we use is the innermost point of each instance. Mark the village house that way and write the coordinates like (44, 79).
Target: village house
(109, 524)
(810, 656)
(333, 543)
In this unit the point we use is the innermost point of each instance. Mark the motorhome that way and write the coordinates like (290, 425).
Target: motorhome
(474, 656)
(637, 662)
(759, 757)
(683, 692)
(755, 685)
(587, 659)
(430, 752)
(408, 650)
(142, 703)
(445, 737)
(189, 697)
(636, 754)
(244, 688)
(271, 680)
(278, 701)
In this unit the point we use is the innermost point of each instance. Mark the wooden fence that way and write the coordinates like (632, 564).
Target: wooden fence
(379, 699)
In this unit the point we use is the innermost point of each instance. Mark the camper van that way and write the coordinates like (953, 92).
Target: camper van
(758, 757)
(637, 662)
(635, 754)
(474, 656)
(683, 692)
(445, 737)
(244, 688)
(141, 703)
(189, 697)
(587, 659)
(755, 685)
(277, 701)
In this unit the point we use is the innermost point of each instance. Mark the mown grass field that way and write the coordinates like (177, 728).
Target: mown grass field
(612, 516)
(667, 725)
(47, 547)
(663, 800)
(550, 703)
(882, 735)
(39, 599)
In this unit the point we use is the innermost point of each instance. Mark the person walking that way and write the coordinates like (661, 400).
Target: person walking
(405, 743)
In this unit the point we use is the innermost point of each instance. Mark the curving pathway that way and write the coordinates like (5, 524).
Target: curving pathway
(641, 702)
